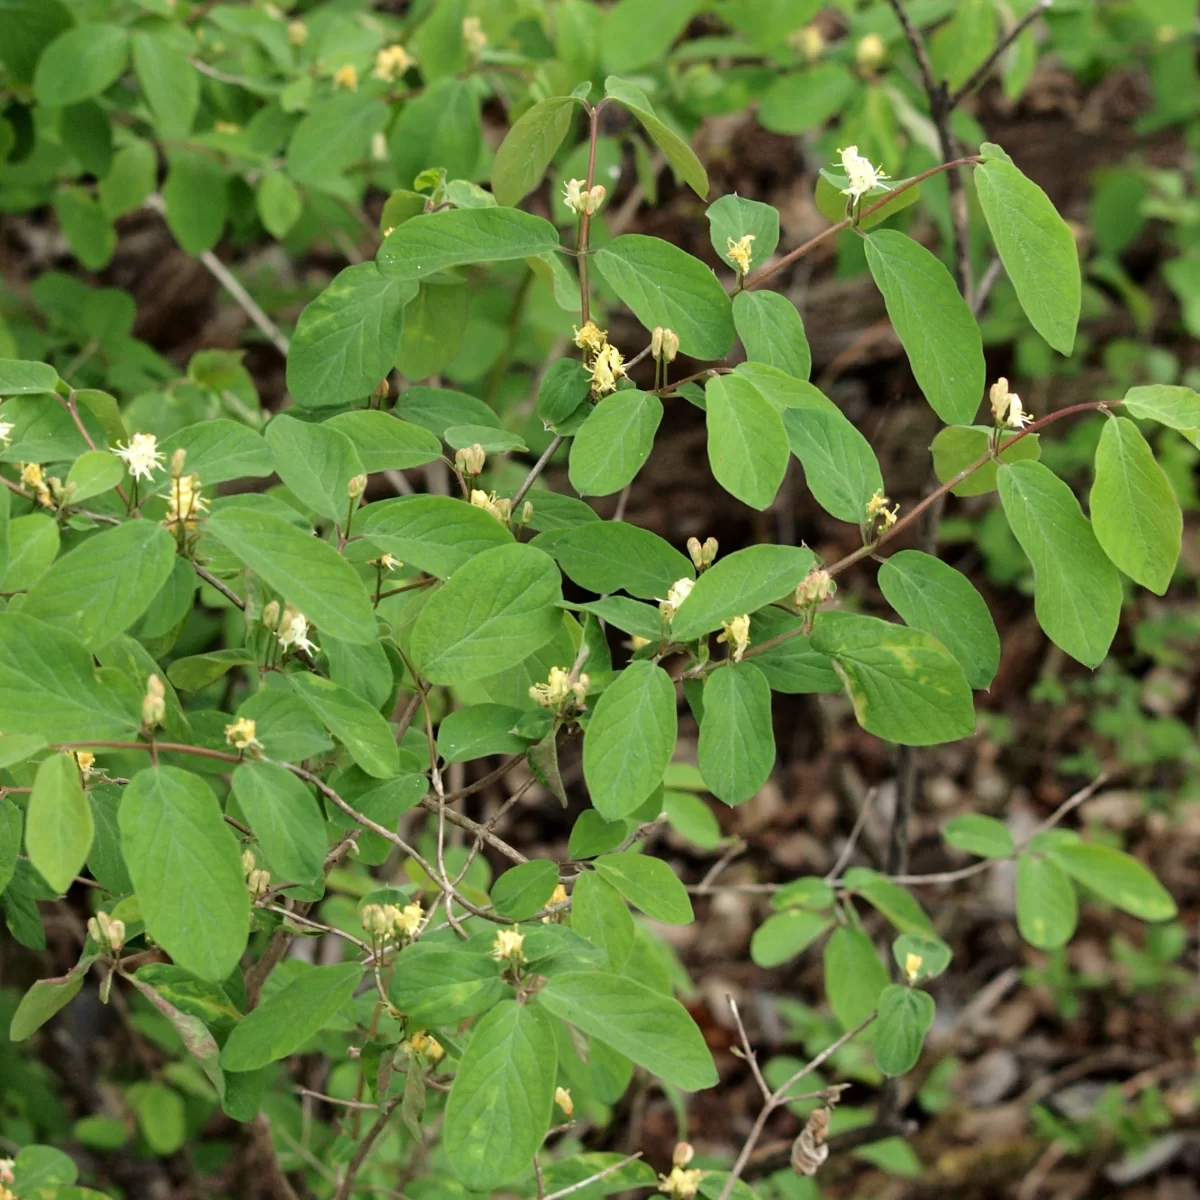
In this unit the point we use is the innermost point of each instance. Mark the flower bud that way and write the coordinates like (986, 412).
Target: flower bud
(249, 862)
(297, 33)
(470, 459)
(177, 461)
(107, 932)
(526, 512)
(270, 615)
(808, 41)
(85, 760)
(383, 389)
(695, 552)
(376, 919)
(259, 882)
(870, 51)
(6, 1171)
(356, 487)
(154, 704)
(427, 1046)
(815, 588)
(683, 1154)
(562, 1098)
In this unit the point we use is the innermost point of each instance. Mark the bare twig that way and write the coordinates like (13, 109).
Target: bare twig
(578, 1187)
(984, 69)
(346, 1187)
(537, 468)
(855, 833)
(215, 583)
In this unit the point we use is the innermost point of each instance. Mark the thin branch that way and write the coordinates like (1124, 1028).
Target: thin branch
(984, 69)
(855, 833)
(346, 1187)
(748, 1050)
(537, 468)
(578, 1187)
(303, 1091)
(215, 583)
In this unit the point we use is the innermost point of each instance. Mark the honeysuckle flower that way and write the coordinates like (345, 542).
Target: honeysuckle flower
(558, 896)
(249, 862)
(6, 428)
(1007, 409)
(664, 344)
(816, 587)
(682, 1154)
(346, 77)
(392, 61)
(681, 1184)
(297, 33)
(703, 554)
(591, 337)
(259, 882)
(378, 919)
(6, 1170)
(427, 1046)
(562, 1098)
(809, 41)
(870, 51)
(5, 1193)
(470, 460)
(912, 966)
(740, 252)
(607, 368)
(385, 562)
(184, 502)
(507, 946)
(636, 643)
(877, 506)
(154, 703)
(407, 920)
(85, 760)
(581, 199)
(861, 175)
(500, 508)
(676, 595)
(107, 932)
(356, 486)
(558, 688)
(737, 634)
(473, 35)
(141, 455)
(293, 632)
(240, 734)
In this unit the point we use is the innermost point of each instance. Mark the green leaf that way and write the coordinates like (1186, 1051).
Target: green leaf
(434, 325)
(192, 1030)
(479, 730)
(933, 596)
(440, 128)
(630, 739)
(905, 686)
(830, 198)
(854, 976)
(801, 100)
(358, 726)
(87, 228)
(666, 286)
(496, 611)
(435, 534)
(772, 331)
(58, 822)
(44, 1166)
(384, 443)
(629, 616)
(792, 666)
(335, 133)
(219, 450)
(288, 1018)
(934, 954)
(80, 63)
(649, 884)
(958, 446)
(1175, 407)
(196, 196)
(45, 998)
(747, 442)
(30, 26)
(738, 583)
(1116, 876)
(893, 901)
(608, 556)
(737, 742)
(613, 443)
(528, 147)
(49, 687)
(1037, 250)
(732, 218)
(678, 153)
(1135, 515)
(10, 834)
(186, 868)
(980, 835)
(105, 584)
(441, 984)
(169, 83)
(308, 573)
(1076, 589)
(494, 441)
(279, 203)
(501, 1100)
(905, 1016)
(1047, 910)
(19, 377)
(784, 935)
(654, 1030)
(457, 236)
(285, 819)
(94, 473)
(637, 33)
(599, 913)
(808, 891)
(525, 889)
(316, 462)
(346, 339)
(564, 388)
(132, 177)
(933, 322)
(161, 1116)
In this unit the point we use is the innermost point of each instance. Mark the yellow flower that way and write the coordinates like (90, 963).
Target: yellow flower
(154, 703)
(346, 77)
(85, 760)
(558, 896)
(607, 369)
(6, 1170)
(861, 175)
(501, 509)
(677, 594)
(6, 428)
(870, 52)
(407, 920)
(240, 734)
(740, 252)
(473, 35)
(562, 1098)
(297, 33)
(392, 61)
(293, 632)
(389, 562)
(558, 688)
(184, 502)
(681, 1184)
(877, 506)
(912, 966)
(31, 475)
(737, 634)
(591, 337)
(427, 1046)
(507, 946)
(581, 199)
(1006, 407)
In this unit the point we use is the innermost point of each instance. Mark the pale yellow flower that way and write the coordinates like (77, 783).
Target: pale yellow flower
(1007, 409)
(85, 760)
(141, 456)
(816, 587)
(378, 919)
(346, 77)
(581, 199)
(184, 502)
(473, 35)
(877, 506)
(408, 920)
(558, 688)
(293, 632)
(676, 595)
(664, 344)
(392, 61)
(562, 1098)
(912, 966)
(608, 367)
(681, 1184)
(870, 51)
(591, 337)
(297, 33)
(240, 734)
(427, 1046)
(6, 428)
(861, 175)
(470, 460)
(809, 41)
(741, 253)
(737, 634)
(507, 946)
(500, 508)
(154, 703)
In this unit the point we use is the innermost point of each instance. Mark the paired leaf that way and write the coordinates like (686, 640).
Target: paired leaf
(613, 443)
(385, 444)
(353, 721)
(854, 976)
(285, 819)
(1047, 910)
(436, 534)
(608, 556)
(960, 446)
(747, 442)
(649, 884)
(528, 147)
(980, 835)
(678, 153)
(1118, 877)
(58, 823)
(316, 462)
(737, 743)
(772, 331)
(905, 1016)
